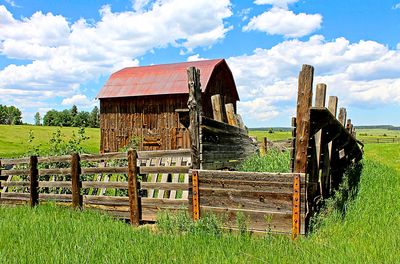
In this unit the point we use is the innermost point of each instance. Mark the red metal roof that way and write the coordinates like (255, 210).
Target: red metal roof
(156, 79)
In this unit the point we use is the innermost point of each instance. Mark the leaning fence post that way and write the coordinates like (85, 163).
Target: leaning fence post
(133, 189)
(264, 147)
(303, 126)
(76, 182)
(216, 103)
(34, 184)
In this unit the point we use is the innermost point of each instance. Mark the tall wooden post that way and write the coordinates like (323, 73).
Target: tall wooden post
(293, 145)
(230, 114)
(320, 97)
(133, 190)
(342, 116)
(194, 105)
(34, 181)
(216, 103)
(76, 181)
(304, 102)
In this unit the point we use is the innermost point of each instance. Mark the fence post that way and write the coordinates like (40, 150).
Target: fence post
(303, 125)
(293, 144)
(76, 181)
(194, 105)
(230, 114)
(264, 147)
(216, 103)
(342, 116)
(195, 196)
(34, 184)
(133, 189)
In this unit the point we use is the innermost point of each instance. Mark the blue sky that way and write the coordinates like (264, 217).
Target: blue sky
(54, 54)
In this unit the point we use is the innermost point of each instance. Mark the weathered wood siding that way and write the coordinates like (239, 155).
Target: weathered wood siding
(153, 118)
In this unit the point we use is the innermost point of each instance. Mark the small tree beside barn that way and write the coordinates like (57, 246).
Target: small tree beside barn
(150, 103)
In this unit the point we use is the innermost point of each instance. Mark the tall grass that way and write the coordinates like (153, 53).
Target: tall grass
(274, 161)
(367, 233)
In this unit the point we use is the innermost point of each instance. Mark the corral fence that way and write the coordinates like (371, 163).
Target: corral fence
(380, 140)
(138, 185)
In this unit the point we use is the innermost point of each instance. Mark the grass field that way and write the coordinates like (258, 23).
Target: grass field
(368, 233)
(13, 139)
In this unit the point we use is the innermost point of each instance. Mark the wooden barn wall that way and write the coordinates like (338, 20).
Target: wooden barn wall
(152, 118)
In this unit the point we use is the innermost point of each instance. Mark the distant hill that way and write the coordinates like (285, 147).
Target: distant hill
(388, 127)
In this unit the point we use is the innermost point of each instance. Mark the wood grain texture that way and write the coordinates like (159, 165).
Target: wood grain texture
(216, 103)
(133, 192)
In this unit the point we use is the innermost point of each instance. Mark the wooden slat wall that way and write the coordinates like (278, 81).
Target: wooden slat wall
(265, 199)
(223, 146)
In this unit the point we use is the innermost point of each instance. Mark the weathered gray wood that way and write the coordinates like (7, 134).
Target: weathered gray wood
(104, 156)
(332, 105)
(164, 153)
(240, 121)
(293, 145)
(54, 184)
(65, 158)
(75, 181)
(247, 176)
(194, 105)
(175, 178)
(230, 114)
(122, 170)
(33, 175)
(133, 192)
(15, 161)
(55, 197)
(303, 123)
(160, 202)
(15, 184)
(15, 172)
(216, 103)
(258, 220)
(320, 97)
(342, 116)
(106, 200)
(164, 178)
(219, 127)
(164, 169)
(165, 186)
(15, 196)
(56, 171)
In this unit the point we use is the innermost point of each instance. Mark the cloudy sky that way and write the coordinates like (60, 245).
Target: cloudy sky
(54, 54)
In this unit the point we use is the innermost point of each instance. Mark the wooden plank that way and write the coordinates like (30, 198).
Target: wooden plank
(55, 197)
(332, 105)
(75, 181)
(15, 161)
(230, 114)
(133, 192)
(264, 147)
(342, 116)
(293, 145)
(165, 186)
(106, 200)
(320, 97)
(216, 103)
(15, 172)
(100, 184)
(247, 176)
(260, 220)
(186, 180)
(194, 105)
(303, 126)
(175, 178)
(103, 157)
(162, 202)
(54, 184)
(121, 170)
(15, 196)
(154, 176)
(240, 121)
(164, 169)
(65, 159)
(164, 153)
(15, 184)
(258, 200)
(33, 175)
(55, 171)
(221, 128)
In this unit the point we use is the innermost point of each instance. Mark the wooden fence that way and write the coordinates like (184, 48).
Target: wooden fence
(260, 201)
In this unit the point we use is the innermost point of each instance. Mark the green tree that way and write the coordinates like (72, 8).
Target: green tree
(74, 110)
(95, 117)
(3, 114)
(13, 116)
(38, 119)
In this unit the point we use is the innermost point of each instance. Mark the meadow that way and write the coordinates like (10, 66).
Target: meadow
(364, 230)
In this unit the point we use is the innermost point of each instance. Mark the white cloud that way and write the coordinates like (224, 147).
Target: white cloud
(364, 73)
(195, 57)
(67, 54)
(278, 3)
(12, 3)
(79, 100)
(396, 6)
(279, 21)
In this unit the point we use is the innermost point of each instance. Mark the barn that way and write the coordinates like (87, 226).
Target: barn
(147, 103)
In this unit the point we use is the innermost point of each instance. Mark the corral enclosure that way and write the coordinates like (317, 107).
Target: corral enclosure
(150, 103)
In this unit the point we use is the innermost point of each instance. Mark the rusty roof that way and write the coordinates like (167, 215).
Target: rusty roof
(156, 79)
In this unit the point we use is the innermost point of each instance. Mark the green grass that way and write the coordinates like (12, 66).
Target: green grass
(274, 161)
(368, 233)
(277, 135)
(13, 139)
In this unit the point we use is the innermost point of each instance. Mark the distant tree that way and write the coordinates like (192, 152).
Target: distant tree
(3, 114)
(95, 117)
(82, 119)
(10, 115)
(49, 118)
(271, 130)
(38, 119)
(74, 110)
